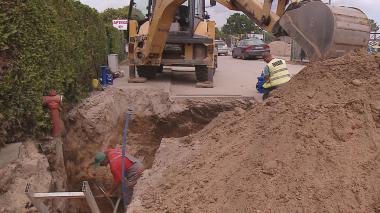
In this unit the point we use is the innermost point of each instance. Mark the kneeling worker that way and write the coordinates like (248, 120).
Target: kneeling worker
(275, 74)
(133, 169)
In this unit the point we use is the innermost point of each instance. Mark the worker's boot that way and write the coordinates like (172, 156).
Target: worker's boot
(137, 80)
(205, 84)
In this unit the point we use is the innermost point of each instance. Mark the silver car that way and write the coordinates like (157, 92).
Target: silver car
(222, 47)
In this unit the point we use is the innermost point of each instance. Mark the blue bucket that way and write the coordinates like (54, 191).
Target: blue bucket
(103, 75)
(260, 83)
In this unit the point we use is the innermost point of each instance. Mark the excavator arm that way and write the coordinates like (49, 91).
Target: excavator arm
(260, 13)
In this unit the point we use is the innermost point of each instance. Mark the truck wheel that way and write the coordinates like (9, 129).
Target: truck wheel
(201, 73)
(148, 72)
(160, 69)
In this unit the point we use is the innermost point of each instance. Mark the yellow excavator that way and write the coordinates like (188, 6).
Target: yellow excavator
(179, 32)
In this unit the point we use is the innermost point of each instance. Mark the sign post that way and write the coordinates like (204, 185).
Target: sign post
(120, 24)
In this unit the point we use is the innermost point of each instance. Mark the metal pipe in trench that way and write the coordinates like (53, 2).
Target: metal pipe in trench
(123, 149)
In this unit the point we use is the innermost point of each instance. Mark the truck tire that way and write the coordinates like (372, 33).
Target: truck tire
(160, 69)
(244, 57)
(234, 55)
(148, 72)
(201, 73)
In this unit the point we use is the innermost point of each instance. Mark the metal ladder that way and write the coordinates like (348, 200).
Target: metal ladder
(37, 197)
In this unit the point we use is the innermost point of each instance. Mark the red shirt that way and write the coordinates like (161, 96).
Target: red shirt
(114, 157)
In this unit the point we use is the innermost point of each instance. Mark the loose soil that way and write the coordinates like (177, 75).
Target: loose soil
(39, 163)
(26, 165)
(313, 146)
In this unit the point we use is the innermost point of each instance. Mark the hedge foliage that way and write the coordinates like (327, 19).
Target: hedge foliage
(44, 45)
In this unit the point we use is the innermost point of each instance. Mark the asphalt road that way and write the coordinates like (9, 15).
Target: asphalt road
(233, 78)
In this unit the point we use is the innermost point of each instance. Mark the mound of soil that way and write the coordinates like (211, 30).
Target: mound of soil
(21, 164)
(313, 146)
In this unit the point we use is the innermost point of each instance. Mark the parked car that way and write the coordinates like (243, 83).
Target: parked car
(250, 48)
(222, 47)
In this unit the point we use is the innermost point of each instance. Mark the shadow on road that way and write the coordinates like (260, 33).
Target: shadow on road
(183, 77)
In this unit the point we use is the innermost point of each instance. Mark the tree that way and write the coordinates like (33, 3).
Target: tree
(219, 34)
(374, 26)
(239, 24)
(121, 13)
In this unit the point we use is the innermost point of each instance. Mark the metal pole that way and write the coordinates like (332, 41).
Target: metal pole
(329, 1)
(123, 149)
(131, 3)
(36, 198)
(89, 197)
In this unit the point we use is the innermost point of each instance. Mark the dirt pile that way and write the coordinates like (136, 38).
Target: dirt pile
(26, 165)
(313, 146)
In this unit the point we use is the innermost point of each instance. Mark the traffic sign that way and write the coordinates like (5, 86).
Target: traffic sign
(120, 24)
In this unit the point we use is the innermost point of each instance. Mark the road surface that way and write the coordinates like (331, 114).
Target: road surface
(233, 78)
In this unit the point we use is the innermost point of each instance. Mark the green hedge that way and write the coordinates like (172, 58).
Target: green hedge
(47, 44)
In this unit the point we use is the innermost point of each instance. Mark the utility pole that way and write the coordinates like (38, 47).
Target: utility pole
(130, 10)
(329, 1)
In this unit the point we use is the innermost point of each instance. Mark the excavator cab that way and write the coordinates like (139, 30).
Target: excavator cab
(176, 33)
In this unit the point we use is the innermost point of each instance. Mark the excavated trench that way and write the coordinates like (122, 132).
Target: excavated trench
(146, 132)
(97, 124)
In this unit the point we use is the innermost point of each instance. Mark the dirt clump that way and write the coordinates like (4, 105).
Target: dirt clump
(313, 146)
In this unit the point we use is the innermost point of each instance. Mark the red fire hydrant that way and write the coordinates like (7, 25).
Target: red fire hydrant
(53, 101)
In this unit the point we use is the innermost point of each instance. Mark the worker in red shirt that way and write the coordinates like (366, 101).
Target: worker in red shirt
(133, 169)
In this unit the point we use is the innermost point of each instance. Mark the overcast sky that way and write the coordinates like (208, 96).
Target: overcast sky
(220, 13)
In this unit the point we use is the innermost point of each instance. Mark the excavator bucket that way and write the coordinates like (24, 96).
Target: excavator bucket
(325, 31)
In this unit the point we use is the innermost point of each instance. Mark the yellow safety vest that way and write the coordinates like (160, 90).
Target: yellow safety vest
(278, 73)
